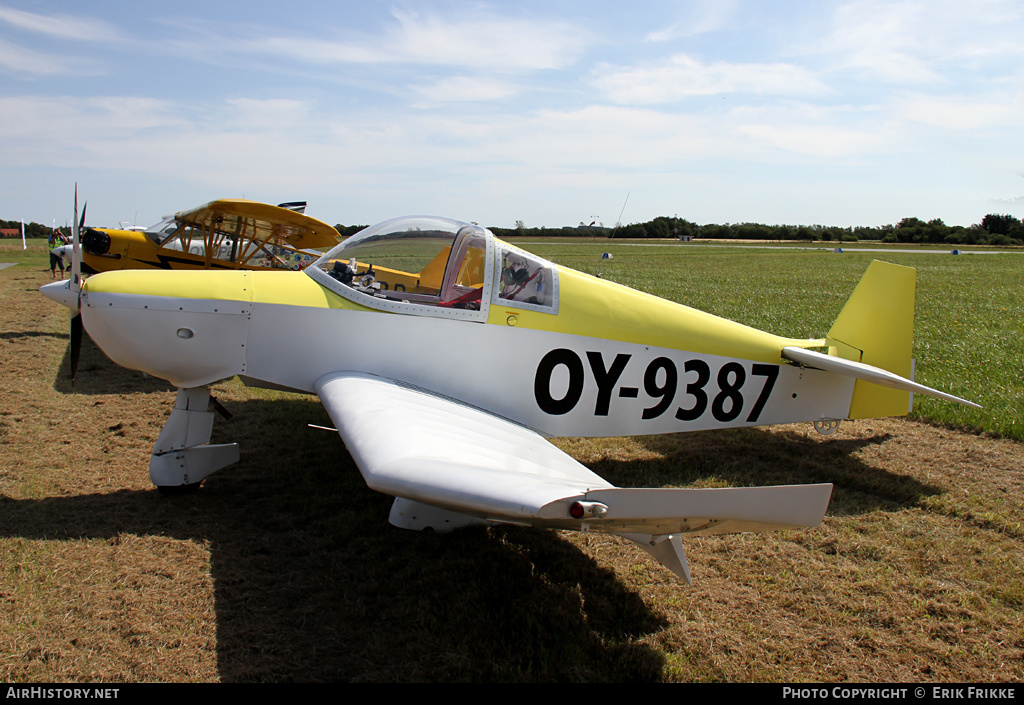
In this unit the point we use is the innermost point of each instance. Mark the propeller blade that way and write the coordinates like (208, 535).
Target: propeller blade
(76, 345)
(76, 252)
(76, 285)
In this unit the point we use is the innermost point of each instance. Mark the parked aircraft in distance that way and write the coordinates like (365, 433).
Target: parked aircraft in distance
(222, 234)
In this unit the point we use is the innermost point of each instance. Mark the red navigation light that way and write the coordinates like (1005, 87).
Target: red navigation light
(576, 510)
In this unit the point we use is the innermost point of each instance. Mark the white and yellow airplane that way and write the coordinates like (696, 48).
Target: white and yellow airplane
(446, 357)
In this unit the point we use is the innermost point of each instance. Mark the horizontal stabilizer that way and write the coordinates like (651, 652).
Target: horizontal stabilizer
(868, 373)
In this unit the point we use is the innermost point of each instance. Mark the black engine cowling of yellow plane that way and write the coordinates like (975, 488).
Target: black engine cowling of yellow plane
(95, 242)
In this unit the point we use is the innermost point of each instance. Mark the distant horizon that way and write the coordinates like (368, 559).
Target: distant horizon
(853, 113)
(564, 226)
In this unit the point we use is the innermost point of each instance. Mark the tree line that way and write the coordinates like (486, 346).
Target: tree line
(994, 229)
(31, 229)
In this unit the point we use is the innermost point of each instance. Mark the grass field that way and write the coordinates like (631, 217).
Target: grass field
(283, 567)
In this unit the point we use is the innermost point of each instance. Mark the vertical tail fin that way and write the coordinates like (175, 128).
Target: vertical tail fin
(876, 327)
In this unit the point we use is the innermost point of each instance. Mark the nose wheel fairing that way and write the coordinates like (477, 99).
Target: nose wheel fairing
(183, 455)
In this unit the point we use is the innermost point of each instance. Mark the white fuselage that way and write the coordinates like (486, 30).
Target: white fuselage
(556, 383)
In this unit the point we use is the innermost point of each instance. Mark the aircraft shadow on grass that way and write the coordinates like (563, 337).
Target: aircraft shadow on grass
(757, 456)
(28, 334)
(311, 583)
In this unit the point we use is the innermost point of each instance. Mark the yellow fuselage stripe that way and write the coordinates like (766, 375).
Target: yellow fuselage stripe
(588, 307)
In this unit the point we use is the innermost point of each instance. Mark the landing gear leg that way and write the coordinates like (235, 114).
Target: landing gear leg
(183, 456)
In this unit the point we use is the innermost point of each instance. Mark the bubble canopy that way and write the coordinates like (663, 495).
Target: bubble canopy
(420, 265)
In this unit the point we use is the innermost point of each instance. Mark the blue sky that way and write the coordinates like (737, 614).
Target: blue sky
(839, 113)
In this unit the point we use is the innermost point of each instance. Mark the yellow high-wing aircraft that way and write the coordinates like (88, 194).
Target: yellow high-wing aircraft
(222, 234)
(446, 357)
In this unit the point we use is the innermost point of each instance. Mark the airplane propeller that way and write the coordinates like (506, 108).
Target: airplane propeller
(76, 345)
(69, 292)
(76, 287)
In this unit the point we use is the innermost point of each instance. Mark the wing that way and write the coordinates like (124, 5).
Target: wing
(262, 222)
(432, 451)
(409, 443)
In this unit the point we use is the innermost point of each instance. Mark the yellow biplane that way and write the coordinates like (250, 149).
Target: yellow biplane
(222, 234)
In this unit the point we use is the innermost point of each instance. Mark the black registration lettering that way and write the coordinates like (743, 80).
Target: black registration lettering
(542, 382)
(695, 389)
(606, 379)
(728, 402)
(661, 381)
(665, 391)
(770, 373)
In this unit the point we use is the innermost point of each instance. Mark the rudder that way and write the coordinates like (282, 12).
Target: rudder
(876, 327)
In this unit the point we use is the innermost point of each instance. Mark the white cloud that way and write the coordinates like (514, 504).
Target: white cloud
(960, 112)
(466, 89)
(253, 115)
(122, 135)
(50, 58)
(76, 27)
(485, 41)
(682, 76)
(824, 141)
(491, 42)
(20, 61)
(917, 42)
(700, 18)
